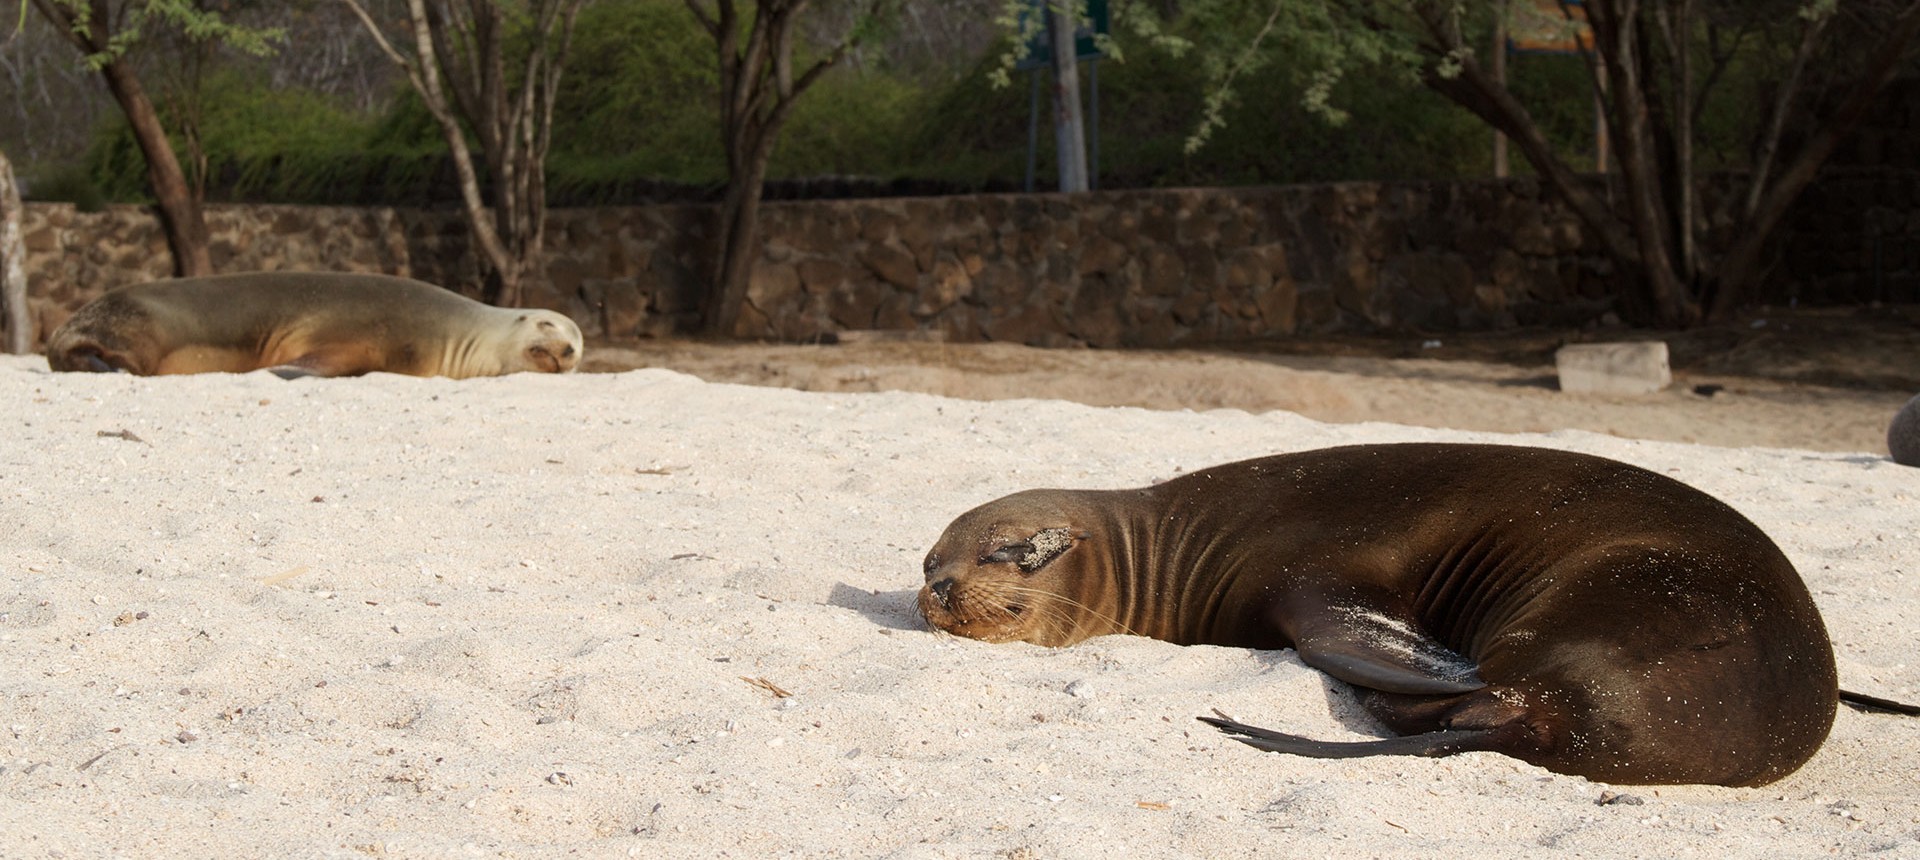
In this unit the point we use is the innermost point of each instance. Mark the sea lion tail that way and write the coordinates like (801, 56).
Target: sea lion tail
(1430, 744)
(1864, 702)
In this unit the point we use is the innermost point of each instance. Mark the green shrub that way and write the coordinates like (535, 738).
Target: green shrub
(272, 145)
(638, 97)
(67, 184)
(637, 109)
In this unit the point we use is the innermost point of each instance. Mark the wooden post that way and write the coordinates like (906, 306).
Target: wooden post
(1600, 127)
(1500, 162)
(13, 263)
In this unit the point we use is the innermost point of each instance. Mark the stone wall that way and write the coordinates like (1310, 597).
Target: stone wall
(1127, 268)
(1159, 268)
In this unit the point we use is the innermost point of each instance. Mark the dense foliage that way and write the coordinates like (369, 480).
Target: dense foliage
(638, 120)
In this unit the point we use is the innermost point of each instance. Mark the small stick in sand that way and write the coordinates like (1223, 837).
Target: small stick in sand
(767, 685)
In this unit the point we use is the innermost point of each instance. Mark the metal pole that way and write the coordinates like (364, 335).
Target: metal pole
(1068, 132)
(1093, 123)
(1033, 128)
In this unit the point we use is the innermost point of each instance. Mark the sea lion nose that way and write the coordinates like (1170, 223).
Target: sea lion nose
(940, 589)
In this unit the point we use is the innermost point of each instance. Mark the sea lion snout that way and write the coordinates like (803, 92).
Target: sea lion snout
(942, 591)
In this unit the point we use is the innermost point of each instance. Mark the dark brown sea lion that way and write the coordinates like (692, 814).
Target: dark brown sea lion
(1585, 615)
(309, 324)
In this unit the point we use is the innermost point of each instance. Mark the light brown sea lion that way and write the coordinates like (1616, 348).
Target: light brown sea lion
(309, 324)
(1585, 615)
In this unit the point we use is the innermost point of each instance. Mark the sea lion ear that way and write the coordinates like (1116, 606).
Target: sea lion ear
(1035, 552)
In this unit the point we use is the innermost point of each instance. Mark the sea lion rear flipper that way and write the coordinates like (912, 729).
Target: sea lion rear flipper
(1369, 647)
(1432, 744)
(1864, 702)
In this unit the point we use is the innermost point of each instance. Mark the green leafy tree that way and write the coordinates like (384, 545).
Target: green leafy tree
(109, 34)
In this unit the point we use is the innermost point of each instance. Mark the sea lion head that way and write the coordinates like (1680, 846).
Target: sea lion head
(110, 334)
(1020, 568)
(544, 342)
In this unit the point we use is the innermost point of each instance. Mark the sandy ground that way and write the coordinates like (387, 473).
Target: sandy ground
(639, 614)
(1703, 406)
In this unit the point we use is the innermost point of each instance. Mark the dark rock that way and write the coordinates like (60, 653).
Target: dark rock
(1903, 434)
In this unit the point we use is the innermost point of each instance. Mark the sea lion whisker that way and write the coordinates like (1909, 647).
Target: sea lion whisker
(1060, 603)
(998, 598)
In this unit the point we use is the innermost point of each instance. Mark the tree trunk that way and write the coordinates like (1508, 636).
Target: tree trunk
(1616, 41)
(758, 89)
(459, 69)
(1471, 89)
(1674, 30)
(1069, 130)
(1653, 233)
(480, 226)
(13, 263)
(179, 213)
(739, 215)
(739, 246)
(1741, 266)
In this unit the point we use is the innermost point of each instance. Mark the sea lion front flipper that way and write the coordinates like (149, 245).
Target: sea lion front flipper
(1369, 647)
(319, 362)
(289, 371)
(1431, 744)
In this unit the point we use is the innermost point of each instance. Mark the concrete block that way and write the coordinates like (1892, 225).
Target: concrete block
(1613, 368)
(890, 336)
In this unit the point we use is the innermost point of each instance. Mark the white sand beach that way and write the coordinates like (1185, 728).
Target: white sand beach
(638, 614)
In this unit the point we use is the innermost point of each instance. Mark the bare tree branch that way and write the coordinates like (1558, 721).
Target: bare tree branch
(459, 68)
(1777, 117)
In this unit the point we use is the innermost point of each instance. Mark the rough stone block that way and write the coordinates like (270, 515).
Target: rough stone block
(1613, 368)
(893, 265)
(42, 241)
